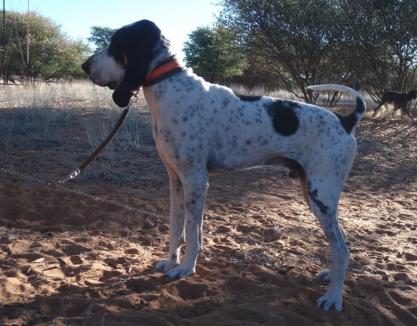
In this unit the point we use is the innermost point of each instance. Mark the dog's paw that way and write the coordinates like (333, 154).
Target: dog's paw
(165, 265)
(324, 275)
(330, 299)
(182, 270)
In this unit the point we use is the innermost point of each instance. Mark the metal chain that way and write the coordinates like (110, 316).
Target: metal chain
(61, 187)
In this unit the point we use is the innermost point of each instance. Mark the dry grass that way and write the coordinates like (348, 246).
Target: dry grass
(71, 259)
(77, 94)
(47, 111)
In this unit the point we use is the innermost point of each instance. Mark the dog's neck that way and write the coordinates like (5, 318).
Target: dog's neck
(161, 53)
(164, 70)
(154, 98)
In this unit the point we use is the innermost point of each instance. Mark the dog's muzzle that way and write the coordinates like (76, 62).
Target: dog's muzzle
(86, 66)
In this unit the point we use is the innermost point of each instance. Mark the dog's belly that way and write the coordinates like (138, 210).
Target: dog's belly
(220, 165)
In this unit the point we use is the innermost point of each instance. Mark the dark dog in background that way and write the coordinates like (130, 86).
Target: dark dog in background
(399, 100)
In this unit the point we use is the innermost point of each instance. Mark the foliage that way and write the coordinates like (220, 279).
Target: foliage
(51, 53)
(295, 39)
(214, 54)
(369, 44)
(100, 36)
(382, 44)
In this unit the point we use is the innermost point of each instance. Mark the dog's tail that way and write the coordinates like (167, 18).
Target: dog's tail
(348, 122)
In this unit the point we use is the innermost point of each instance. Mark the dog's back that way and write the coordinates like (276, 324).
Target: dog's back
(398, 98)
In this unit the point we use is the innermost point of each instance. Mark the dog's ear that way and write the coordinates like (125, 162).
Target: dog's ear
(137, 42)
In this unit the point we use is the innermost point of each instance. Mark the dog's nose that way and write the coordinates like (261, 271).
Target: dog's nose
(86, 66)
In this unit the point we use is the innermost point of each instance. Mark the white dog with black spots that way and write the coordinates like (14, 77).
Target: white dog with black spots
(202, 128)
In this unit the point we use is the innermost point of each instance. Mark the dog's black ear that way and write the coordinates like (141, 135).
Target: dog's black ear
(137, 42)
(121, 98)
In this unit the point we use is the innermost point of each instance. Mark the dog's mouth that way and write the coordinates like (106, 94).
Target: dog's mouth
(112, 85)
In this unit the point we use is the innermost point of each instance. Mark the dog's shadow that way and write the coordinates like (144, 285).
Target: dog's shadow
(149, 280)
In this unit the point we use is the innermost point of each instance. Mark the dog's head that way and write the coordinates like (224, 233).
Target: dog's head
(125, 63)
(413, 94)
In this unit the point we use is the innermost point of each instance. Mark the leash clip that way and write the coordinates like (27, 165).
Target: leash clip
(70, 176)
(134, 97)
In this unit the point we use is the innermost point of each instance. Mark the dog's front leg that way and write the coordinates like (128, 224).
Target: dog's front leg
(195, 191)
(176, 223)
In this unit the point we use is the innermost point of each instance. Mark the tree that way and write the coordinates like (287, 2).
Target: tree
(295, 39)
(100, 36)
(71, 56)
(214, 54)
(52, 54)
(382, 44)
(370, 44)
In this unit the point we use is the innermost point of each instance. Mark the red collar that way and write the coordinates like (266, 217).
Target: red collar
(164, 70)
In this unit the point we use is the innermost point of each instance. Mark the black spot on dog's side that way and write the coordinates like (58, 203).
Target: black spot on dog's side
(248, 98)
(284, 119)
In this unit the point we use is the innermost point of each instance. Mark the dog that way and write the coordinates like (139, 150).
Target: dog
(399, 100)
(201, 128)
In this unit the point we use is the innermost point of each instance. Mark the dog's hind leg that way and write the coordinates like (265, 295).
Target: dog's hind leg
(324, 197)
(176, 223)
(406, 109)
(195, 190)
(376, 110)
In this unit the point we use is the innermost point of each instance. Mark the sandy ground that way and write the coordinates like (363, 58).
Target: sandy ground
(71, 259)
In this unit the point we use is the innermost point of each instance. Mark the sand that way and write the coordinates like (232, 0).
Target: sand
(67, 258)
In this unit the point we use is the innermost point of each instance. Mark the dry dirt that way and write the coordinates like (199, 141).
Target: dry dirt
(71, 259)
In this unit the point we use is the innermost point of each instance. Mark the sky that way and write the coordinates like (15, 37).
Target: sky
(176, 18)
